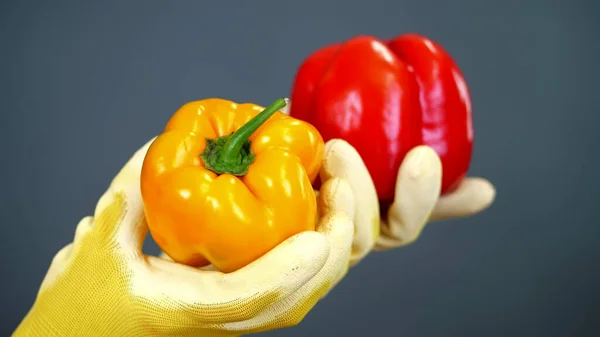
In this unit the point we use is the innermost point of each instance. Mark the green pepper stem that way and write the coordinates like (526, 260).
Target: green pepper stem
(233, 146)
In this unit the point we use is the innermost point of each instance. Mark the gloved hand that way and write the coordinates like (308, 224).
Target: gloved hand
(417, 196)
(103, 285)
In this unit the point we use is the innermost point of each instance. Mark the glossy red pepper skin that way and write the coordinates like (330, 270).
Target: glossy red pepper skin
(445, 104)
(386, 97)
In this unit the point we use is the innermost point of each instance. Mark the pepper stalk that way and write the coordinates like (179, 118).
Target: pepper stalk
(232, 153)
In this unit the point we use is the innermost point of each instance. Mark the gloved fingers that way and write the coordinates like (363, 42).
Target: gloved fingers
(342, 160)
(119, 214)
(336, 223)
(418, 185)
(336, 195)
(214, 297)
(338, 227)
(472, 196)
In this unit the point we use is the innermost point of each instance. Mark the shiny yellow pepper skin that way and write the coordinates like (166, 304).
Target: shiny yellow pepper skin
(210, 201)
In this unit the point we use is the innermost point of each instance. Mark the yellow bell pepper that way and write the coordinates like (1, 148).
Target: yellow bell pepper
(225, 182)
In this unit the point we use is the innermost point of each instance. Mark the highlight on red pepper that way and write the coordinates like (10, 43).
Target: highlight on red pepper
(225, 183)
(385, 98)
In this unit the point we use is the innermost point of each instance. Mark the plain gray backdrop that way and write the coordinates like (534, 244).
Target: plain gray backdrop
(83, 85)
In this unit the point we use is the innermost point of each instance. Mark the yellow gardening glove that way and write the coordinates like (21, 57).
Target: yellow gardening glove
(417, 197)
(103, 285)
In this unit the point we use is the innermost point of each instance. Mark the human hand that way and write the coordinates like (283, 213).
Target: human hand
(102, 284)
(417, 196)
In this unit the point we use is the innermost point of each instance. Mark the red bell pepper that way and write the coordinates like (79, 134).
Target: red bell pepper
(385, 98)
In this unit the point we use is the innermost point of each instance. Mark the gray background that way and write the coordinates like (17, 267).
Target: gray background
(82, 86)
